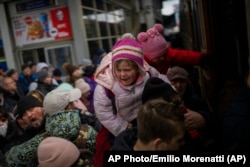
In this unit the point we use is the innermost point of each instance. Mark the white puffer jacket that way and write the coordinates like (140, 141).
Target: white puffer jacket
(127, 100)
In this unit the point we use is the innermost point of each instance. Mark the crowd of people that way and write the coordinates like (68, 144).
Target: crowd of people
(135, 97)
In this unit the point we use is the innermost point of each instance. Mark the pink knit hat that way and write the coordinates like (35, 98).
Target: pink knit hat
(128, 48)
(56, 151)
(153, 42)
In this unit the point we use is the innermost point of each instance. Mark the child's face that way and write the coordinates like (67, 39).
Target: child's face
(126, 73)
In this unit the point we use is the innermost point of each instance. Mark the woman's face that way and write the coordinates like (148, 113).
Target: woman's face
(126, 73)
(77, 73)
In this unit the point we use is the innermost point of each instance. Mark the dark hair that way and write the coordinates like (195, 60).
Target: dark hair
(157, 88)
(3, 113)
(101, 51)
(31, 64)
(89, 70)
(1, 90)
(10, 72)
(57, 72)
(24, 66)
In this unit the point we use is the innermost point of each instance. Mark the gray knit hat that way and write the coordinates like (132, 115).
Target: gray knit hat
(42, 75)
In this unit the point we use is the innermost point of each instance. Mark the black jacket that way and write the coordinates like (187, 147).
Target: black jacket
(126, 140)
(236, 128)
(12, 137)
(10, 100)
(44, 87)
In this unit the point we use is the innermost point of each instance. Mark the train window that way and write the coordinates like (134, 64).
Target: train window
(170, 15)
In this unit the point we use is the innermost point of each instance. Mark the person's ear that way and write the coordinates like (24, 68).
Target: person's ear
(159, 144)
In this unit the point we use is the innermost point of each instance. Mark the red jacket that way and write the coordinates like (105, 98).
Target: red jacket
(177, 57)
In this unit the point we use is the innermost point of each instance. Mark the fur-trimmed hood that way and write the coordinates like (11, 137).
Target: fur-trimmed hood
(103, 74)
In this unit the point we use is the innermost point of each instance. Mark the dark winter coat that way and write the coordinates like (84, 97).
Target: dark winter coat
(236, 129)
(10, 100)
(25, 82)
(44, 87)
(12, 137)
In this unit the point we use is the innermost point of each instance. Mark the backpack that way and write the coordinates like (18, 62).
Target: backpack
(111, 96)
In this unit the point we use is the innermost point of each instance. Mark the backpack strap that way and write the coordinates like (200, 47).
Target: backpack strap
(111, 96)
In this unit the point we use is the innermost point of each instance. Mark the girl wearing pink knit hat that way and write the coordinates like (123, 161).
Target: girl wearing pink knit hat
(159, 54)
(120, 79)
(124, 73)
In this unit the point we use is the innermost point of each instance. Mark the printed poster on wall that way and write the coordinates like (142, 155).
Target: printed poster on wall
(41, 27)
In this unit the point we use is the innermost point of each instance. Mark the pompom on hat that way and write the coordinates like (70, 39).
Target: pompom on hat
(128, 48)
(153, 42)
(56, 151)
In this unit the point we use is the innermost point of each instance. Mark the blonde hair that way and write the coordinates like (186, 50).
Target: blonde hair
(129, 62)
(37, 94)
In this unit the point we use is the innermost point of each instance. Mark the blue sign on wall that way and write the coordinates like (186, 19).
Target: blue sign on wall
(1, 43)
(35, 4)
